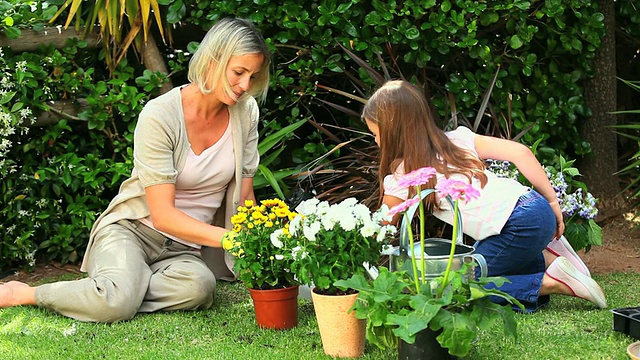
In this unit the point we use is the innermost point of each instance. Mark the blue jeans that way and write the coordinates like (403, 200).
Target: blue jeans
(516, 253)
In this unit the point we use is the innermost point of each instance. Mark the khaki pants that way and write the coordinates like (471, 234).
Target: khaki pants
(132, 269)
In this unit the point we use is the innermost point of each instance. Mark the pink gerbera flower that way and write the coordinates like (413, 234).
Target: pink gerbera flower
(417, 177)
(403, 206)
(458, 190)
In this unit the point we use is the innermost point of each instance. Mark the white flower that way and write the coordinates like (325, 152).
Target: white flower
(294, 225)
(369, 228)
(311, 231)
(275, 238)
(328, 222)
(298, 251)
(279, 257)
(348, 223)
(387, 229)
(307, 207)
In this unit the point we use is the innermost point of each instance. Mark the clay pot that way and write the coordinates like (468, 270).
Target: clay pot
(276, 308)
(343, 335)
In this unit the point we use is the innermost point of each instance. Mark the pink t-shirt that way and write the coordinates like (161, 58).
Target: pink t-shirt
(482, 217)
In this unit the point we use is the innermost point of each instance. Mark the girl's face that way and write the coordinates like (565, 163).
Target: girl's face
(241, 71)
(373, 128)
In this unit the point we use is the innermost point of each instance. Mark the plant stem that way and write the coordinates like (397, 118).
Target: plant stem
(454, 236)
(413, 255)
(422, 262)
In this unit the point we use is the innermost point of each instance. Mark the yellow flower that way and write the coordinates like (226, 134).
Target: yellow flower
(281, 212)
(238, 218)
(227, 241)
(250, 225)
(248, 203)
(268, 224)
(270, 202)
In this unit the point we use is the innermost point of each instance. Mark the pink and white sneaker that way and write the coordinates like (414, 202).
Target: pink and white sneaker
(561, 247)
(582, 286)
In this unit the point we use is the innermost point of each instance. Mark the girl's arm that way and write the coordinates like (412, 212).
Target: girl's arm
(167, 218)
(392, 201)
(521, 156)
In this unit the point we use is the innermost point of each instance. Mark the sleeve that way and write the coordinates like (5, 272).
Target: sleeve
(464, 138)
(391, 188)
(153, 147)
(251, 156)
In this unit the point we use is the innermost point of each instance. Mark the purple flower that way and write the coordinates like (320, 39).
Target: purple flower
(417, 177)
(403, 206)
(458, 190)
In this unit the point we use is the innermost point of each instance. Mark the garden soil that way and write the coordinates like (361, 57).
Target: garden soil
(620, 252)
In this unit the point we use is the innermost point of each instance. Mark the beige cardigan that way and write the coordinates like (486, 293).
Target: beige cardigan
(159, 154)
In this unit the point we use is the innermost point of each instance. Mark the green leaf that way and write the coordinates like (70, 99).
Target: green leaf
(489, 17)
(515, 42)
(271, 140)
(457, 332)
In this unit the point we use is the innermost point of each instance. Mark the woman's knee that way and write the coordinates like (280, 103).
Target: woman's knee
(196, 287)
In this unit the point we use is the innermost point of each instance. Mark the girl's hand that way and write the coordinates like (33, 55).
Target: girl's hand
(555, 206)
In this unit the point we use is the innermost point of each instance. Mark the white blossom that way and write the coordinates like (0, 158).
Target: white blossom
(275, 238)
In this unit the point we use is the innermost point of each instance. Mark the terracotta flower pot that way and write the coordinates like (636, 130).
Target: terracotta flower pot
(343, 335)
(276, 308)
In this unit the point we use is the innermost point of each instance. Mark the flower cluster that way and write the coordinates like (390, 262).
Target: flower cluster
(259, 242)
(503, 169)
(572, 203)
(333, 242)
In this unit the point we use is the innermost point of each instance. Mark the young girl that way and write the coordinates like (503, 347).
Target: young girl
(195, 154)
(517, 229)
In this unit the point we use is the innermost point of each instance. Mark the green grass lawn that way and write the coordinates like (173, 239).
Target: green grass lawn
(568, 329)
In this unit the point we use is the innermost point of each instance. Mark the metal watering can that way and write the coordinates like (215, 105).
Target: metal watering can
(436, 250)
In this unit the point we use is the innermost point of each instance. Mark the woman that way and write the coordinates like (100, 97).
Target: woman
(513, 225)
(194, 147)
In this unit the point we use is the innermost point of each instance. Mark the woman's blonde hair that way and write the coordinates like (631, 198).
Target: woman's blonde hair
(408, 133)
(229, 37)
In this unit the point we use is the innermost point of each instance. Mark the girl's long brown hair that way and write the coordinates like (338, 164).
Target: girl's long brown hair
(408, 132)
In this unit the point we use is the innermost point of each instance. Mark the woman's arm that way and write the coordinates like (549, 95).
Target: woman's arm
(167, 218)
(246, 192)
(521, 156)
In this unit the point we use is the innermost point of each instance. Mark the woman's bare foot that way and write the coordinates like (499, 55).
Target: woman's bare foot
(16, 293)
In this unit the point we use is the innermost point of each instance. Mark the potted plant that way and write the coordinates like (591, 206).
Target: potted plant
(404, 307)
(263, 261)
(335, 242)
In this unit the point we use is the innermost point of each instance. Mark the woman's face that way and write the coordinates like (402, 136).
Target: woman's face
(373, 128)
(241, 71)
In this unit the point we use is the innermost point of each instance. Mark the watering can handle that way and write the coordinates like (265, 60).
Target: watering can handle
(404, 232)
(482, 263)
